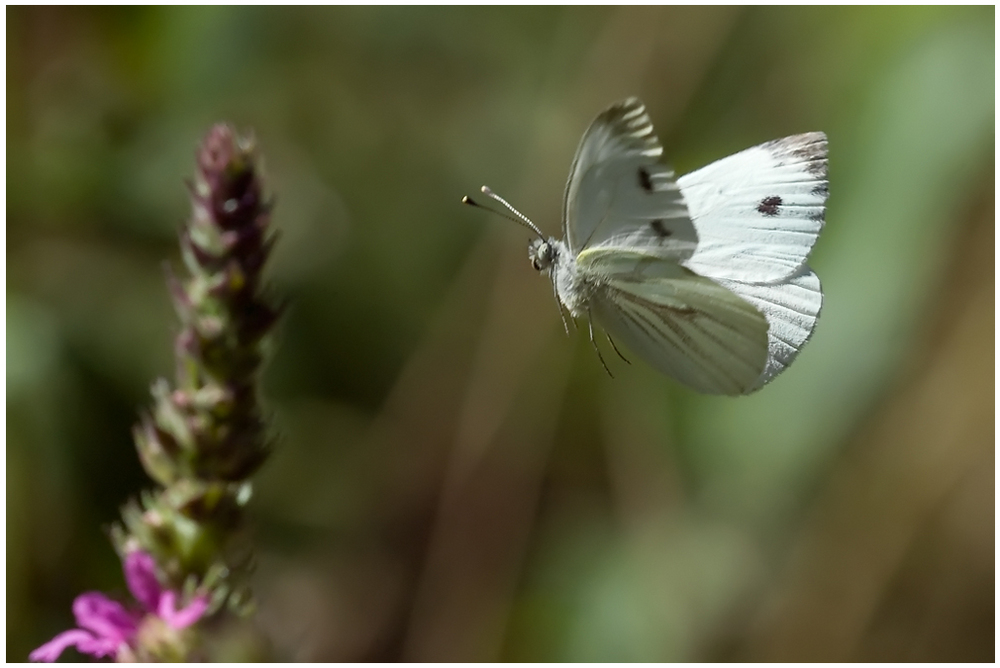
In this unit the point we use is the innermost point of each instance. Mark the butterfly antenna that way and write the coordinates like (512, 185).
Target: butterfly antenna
(521, 219)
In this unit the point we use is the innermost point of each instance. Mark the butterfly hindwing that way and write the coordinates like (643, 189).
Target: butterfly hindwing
(791, 308)
(757, 213)
(619, 195)
(687, 326)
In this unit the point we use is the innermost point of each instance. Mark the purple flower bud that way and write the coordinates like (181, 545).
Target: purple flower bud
(206, 435)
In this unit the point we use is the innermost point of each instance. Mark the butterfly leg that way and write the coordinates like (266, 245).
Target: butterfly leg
(562, 313)
(590, 324)
(612, 342)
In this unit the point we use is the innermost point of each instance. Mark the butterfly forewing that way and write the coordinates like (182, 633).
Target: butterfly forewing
(757, 213)
(619, 195)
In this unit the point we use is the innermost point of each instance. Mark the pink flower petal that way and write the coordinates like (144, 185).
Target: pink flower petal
(140, 575)
(82, 640)
(181, 619)
(108, 619)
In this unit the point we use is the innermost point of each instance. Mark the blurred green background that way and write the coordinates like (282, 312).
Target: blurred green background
(456, 479)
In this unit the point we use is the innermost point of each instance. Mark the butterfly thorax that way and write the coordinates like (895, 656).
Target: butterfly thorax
(553, 257)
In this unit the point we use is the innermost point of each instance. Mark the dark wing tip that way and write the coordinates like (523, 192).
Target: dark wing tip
(630, 102)
(809, 149)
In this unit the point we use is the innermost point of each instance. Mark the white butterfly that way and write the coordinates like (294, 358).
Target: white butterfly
(703, 276)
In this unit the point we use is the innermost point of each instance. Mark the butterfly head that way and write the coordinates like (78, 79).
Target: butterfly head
(542, 254)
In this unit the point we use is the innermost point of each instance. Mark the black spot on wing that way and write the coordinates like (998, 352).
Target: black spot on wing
(644, 181)
(769, 205)
(659, 229)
